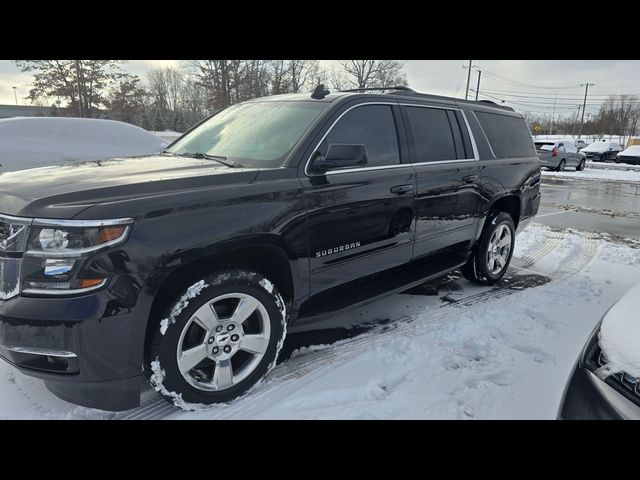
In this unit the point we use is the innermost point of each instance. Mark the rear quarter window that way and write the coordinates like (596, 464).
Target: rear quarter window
(508, 136)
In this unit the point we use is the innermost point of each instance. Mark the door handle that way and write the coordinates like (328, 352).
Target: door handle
(401, 189)
(470, 178)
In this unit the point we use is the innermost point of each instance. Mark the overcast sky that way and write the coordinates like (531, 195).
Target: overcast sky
(527, 85)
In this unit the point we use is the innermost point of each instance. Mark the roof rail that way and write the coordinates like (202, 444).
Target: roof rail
(366, 89)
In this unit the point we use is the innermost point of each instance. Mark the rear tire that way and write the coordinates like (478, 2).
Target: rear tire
(492, 254)
(216, 340)
(561, 166)
(580, 166)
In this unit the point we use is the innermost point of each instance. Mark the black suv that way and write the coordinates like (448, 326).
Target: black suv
(190, 266)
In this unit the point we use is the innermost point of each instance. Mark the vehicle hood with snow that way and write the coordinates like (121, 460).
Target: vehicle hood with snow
(600, 147)
(605, 383)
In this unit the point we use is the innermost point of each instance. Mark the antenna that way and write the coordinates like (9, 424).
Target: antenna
(320, 92)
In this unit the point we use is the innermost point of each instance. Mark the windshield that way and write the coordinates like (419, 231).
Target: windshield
(252, 134)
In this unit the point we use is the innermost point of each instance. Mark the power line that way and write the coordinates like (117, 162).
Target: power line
(516, 82)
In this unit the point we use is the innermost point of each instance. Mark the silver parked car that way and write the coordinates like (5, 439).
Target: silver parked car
(559, 154)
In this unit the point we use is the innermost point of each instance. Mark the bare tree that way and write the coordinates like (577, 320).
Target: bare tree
(302, 73)
(280, 81)
(373, 73)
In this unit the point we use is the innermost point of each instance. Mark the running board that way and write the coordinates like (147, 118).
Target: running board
(362, 291)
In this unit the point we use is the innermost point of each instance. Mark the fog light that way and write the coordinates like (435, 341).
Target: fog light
(53, 267)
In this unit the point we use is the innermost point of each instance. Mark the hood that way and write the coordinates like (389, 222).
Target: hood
(632, 151)
(64, 191)
(597, 147)
(619, 336)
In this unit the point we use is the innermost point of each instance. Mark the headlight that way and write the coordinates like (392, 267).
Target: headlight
(57, 253)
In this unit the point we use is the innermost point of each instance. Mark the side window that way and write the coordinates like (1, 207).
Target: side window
(508, 135)
(433, 138)
(372, 126)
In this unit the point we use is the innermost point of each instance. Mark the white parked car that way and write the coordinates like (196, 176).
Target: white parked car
(29, 142)
(602, 150)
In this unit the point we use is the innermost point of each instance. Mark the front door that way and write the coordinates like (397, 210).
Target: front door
(360, 220)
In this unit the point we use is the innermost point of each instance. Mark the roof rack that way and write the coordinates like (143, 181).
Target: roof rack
(406, 89)
(400, 90)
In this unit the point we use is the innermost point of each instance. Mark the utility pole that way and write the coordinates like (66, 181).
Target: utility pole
(79, 89)
(478, 86)
(575, 120)
(15, 94)
(553, 115)
(466, 94)
(584, 105)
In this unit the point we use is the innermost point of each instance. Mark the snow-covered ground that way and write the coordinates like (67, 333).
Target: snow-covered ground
(467, 352)
(600, 171)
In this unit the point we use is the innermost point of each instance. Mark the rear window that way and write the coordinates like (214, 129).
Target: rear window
(508, 136)
(545, 145)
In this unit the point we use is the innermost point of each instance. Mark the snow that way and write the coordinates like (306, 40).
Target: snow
(632, 151)
(601, 146)
(192, 292)
(619, 336)
(29, 142)
(493, 354)
(612, 172)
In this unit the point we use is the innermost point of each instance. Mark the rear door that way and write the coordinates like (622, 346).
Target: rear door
(572, 154)
(447, 201)
(360, 220)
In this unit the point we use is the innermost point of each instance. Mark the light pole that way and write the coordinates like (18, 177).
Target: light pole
(15, 93)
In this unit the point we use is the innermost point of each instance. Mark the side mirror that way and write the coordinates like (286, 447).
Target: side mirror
(342, 155)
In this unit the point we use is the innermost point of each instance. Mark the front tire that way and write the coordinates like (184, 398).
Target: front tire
(218, 339)
(492, 255)
(580, 166)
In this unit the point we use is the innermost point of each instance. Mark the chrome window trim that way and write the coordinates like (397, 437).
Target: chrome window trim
(48, 222)
(57, 293)
(42, 351)
(476, 156)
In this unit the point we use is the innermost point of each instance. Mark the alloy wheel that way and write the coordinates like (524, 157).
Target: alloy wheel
(499, 249)
(223, 342)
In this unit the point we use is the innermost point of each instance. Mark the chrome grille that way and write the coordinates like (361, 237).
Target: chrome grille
(4, 231)
(13, 238)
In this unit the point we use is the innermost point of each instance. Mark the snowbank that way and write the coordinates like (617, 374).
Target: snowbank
(620, 335)
(627, 175)
(29, 142)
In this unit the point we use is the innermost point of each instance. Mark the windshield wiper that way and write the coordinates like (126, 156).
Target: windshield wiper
(206, 156)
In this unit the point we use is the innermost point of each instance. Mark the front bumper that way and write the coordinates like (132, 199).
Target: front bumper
(589, 398)
(104, 331)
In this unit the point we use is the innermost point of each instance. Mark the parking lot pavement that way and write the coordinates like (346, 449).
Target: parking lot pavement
(601, 206)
